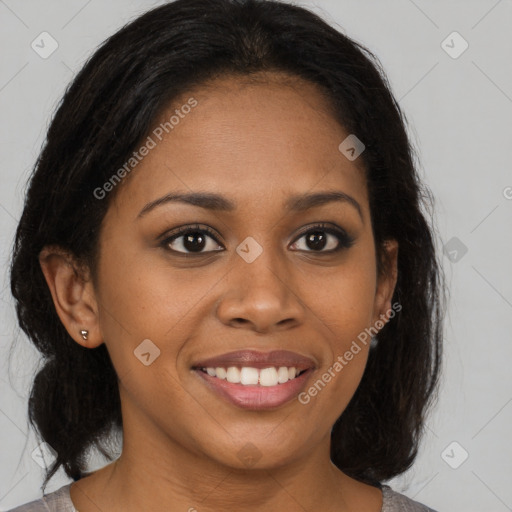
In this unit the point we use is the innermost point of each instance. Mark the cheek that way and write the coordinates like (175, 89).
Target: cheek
(343, 299)
(144, 325)
(138, 293)
(142, 297)
(133, 304)
(344, 304)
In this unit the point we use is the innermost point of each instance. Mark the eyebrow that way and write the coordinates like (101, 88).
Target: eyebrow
(216, 202)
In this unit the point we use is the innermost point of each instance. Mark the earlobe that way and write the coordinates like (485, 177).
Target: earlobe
(73, 296)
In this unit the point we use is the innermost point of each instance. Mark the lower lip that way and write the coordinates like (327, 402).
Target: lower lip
(256, 397)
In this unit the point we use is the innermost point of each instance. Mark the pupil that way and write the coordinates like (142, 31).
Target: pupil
(190, 245)
(316, 240)
(196, 242)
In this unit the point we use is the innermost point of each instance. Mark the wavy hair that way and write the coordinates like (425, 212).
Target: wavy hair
(110, 107)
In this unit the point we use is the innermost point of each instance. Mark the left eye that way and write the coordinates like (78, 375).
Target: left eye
(321, 239)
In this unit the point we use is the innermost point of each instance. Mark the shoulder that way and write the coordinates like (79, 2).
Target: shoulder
(57, 501)
(395, 502)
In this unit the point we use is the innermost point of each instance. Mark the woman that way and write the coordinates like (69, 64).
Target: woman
(222, 255)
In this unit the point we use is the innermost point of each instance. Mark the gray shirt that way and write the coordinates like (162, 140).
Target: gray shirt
(60, 501)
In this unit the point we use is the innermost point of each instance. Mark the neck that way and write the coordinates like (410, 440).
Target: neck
(156, 472)
(148, 481)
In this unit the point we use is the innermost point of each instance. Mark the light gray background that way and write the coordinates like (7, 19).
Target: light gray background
(459, 110)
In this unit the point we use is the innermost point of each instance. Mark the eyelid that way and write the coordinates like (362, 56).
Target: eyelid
(180, 231)
(326, 226)
(345, 240)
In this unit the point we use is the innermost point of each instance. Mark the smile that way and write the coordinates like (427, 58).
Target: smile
(248, 376)
(256, 380)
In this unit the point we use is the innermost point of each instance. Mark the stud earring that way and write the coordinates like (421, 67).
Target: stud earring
(85, 334)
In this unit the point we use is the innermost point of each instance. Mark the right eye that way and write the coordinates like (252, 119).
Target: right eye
(192, 240)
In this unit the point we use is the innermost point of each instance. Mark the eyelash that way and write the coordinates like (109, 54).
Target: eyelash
(345, 240)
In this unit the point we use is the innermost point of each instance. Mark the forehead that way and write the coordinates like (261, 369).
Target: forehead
(253, 140)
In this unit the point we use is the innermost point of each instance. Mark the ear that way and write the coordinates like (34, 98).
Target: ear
(386, 282)
(73, 295)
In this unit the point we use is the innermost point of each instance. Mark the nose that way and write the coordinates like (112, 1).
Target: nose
(261, 296)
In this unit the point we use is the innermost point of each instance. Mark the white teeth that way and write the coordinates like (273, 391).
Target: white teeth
(233, 375)
(282, 375)
(220, 373)
(269, 377)
(249, 376)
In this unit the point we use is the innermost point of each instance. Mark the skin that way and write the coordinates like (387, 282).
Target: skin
(256, 143)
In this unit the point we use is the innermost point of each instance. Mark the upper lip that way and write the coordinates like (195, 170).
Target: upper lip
(256, 359)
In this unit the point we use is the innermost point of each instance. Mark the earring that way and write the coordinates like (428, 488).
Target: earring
(85, 334)
(373, 342)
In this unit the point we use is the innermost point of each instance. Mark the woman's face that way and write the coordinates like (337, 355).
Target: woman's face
(261, 280)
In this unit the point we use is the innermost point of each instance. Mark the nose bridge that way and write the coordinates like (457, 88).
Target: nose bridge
(263, 266)
(259, 288)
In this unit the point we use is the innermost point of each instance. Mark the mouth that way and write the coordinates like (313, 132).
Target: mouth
(249, 376)
(256, 380)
